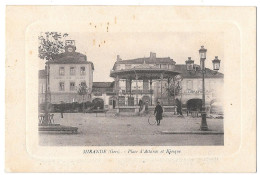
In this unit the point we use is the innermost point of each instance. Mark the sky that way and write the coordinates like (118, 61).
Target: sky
(103, 47)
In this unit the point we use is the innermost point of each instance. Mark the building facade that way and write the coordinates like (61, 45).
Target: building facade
(65, 73)
(146, 79)
(191, 87)
(158, 79)
(104, 91)
(41, 86)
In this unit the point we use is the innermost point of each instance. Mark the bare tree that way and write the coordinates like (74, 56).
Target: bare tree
(82, 91)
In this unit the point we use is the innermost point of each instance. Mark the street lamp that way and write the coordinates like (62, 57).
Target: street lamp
(202, 52)
(190, 68)
(189, 64)
(216, 63)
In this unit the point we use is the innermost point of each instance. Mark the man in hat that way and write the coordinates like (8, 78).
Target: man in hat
(158, 111)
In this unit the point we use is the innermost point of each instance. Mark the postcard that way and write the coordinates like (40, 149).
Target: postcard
(130, 89)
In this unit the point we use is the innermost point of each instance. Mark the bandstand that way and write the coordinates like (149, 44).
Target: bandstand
(155, 83)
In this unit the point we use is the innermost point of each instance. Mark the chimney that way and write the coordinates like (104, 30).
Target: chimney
(152, 55)
(118, 58)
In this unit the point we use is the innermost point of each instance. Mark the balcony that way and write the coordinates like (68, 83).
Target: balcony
(172, 67)
(138, 91)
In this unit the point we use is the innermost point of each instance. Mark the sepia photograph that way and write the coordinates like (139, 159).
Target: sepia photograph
(157, 98)
(130, 89)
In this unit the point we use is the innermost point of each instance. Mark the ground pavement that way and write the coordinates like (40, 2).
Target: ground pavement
(110, 130)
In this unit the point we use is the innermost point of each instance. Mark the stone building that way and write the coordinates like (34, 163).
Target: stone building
(151, 79)
(104, 91)
(66, 72)
(41, 86)
(145, 79)
(191, 87)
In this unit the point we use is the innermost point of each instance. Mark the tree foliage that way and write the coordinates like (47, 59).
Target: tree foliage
(83, 89)
(51, 43)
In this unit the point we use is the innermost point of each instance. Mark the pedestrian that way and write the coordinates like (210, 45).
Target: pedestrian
(61, 109)
(158, 113)
(146, 106)
(140, 105)
(178, 103)
(114, 104)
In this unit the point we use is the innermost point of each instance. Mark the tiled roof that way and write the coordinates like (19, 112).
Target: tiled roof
(68, 55)
(42, 74)
(182, 69)
(148, 60)
(103, 84)
(70, 58)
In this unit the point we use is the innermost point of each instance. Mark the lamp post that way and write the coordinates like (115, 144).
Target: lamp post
(47, 106)
(204, 125)
(190, 68)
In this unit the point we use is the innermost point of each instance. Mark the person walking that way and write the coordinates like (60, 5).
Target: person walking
(61, 109)
(158, 112)
(178, 103)
(140, 105)
(114, 104)
(146, 106)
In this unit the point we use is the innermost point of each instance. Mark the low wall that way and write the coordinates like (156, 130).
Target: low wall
(127, 109)
(135, 109)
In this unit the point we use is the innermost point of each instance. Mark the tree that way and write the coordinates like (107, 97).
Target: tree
(173, 91)
(51, 43)
(82, 91)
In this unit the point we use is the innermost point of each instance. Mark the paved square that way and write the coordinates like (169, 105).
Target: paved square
(130, 131)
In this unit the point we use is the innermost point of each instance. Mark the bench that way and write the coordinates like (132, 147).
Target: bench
(50, 118)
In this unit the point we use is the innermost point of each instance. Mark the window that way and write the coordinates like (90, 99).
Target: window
(82, 71)
(61, 71)
(72, 86)
(189, 85)
(61, 86)
(72, 70)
